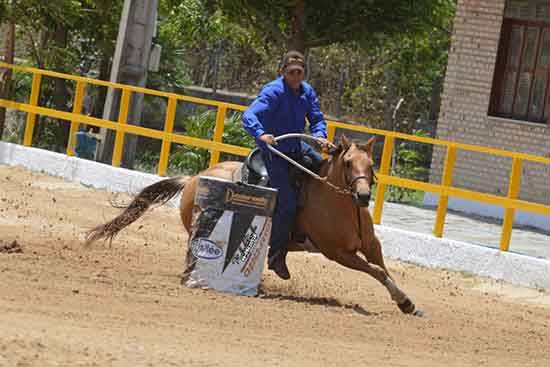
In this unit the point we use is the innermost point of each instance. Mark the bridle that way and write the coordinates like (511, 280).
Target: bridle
(353, 181)
(349, 189)
(363, 177)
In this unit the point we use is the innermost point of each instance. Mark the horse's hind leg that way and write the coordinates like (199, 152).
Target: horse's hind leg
(353, 261)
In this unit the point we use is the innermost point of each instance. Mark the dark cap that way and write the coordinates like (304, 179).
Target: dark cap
(293, 60)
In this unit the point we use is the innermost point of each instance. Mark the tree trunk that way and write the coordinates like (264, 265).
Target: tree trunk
(298, 38)
(435, 100)
(99, 102)
(5, 78)
(217, 61)
(340, 88)
(389, 100)
(61, 94)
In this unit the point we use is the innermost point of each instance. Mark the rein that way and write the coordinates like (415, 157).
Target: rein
(340, 190)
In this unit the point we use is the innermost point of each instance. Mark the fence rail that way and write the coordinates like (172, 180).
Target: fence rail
(510, 203)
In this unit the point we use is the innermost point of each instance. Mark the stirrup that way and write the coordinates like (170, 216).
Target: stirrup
(254, 169)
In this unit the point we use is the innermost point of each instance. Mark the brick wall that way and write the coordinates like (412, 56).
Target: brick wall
(464, 111)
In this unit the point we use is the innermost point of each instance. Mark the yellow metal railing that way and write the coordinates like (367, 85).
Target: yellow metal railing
(510, 203)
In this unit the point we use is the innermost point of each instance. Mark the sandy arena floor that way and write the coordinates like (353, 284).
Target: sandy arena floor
(64, 305)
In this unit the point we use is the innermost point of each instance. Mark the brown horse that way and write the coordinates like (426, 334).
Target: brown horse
(335, 216)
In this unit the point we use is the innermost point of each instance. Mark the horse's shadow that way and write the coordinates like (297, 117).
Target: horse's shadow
(317, 301)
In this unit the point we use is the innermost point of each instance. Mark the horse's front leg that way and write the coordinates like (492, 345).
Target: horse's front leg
(353, 261)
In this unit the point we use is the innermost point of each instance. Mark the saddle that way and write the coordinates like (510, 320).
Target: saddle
(254, 171)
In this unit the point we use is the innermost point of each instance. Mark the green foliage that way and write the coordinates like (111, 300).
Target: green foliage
(409, 162)
(191, 160)
(22, 83)
(3, 11)
(368, 39)
(235, 134)
(307, 24)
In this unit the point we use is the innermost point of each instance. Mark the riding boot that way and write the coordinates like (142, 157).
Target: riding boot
(277, 263)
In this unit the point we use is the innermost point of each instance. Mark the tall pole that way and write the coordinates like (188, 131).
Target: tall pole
(130, 66)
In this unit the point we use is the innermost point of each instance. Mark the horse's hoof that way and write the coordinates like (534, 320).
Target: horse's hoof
(407, 306)
(418, 313)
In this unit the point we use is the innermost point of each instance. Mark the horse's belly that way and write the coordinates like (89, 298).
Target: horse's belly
(327, 233)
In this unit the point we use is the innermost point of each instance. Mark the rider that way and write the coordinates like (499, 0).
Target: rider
(281, 108)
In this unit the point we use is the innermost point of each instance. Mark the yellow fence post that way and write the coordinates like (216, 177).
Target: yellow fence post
(77, 109)
(31, 116)
(166, 141)
(446, 181)
(389, 142)
(218, 133)
(122, 120)
(331, 132)
(513, 192)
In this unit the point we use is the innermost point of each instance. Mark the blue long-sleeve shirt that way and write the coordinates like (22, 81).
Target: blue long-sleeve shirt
(278, 110)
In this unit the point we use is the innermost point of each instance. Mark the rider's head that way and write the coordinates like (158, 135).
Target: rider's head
(293, 69)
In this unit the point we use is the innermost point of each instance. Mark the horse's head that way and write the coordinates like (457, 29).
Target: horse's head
(354, 164)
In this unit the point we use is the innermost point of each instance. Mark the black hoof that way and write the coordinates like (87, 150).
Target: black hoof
(277, 263)
(418, 313)
(406, 307)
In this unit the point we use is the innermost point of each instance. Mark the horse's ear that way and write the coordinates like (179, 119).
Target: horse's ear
(344, 142)
(370, 145)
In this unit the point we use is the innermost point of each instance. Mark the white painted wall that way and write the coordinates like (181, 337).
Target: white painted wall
(401, 245)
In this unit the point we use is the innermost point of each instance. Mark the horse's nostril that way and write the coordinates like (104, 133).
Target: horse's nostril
(362, 199)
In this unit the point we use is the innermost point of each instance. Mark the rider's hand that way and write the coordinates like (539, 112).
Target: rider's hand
(268, 139)
(325, 144)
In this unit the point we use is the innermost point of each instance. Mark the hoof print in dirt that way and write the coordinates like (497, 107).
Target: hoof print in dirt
(11, 248)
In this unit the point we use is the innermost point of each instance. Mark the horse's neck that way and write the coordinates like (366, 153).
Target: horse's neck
(322, 197)
(332, 172)
(333, 175)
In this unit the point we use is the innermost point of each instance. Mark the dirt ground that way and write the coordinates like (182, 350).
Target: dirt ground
(65, 305)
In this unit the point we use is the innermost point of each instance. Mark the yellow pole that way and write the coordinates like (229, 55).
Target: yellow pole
(385, 164)
(122, 120)
(166, 141)
(513, 192)
(218, 133)
(31, 117)
(446, 181)
(331, 131)
(77, 109)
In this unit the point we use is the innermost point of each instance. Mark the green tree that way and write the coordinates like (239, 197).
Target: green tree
(305, 24)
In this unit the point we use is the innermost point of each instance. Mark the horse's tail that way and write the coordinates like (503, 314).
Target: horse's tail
(158, 193)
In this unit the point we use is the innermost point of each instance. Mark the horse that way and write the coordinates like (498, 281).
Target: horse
(334, 217)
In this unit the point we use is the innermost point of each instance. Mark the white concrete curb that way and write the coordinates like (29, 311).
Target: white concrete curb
(398, 244)
(429, 251)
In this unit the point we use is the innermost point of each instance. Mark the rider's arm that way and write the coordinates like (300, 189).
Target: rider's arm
(258, 111)
(317, 123)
